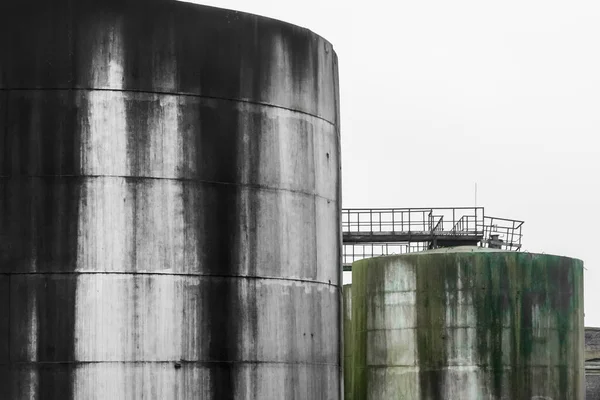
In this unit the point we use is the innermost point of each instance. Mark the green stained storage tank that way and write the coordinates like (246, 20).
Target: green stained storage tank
(347, 307)
(468, 323)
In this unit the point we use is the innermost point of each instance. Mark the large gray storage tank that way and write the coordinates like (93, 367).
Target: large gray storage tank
(169, 208)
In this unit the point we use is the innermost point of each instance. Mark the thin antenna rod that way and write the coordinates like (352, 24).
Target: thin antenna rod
(475, 194)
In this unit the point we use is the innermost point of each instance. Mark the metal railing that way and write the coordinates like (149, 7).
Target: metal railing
(502, 233)
(372, 232)
(392, 220)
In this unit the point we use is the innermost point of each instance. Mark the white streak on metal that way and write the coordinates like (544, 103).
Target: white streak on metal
(461, 378)
(104, 137)
(105, 226)
(108, 52)
(32, 348)
(165, 151)
(391, 333)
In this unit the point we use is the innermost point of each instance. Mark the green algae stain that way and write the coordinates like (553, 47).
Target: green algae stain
(431, 325)
(528, 320)
(489, 314)
(531, 297)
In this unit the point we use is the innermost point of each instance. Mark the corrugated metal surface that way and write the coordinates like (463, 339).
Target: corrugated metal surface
(468, 324)
(169, 209)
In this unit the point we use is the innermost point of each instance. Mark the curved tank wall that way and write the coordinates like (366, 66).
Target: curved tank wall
(468, 323)
(169, 210)
(347, 327)
(592, 363)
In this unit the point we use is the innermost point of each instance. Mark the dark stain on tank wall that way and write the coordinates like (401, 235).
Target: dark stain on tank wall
(4, 157)
(565, 300)
(494, 298)
(233, 60)
(224, 300)
(36, 52)
(42, 135)
(56, 337)
(57, 212)
(42, 140)
(251, 322)
(233, 52)
(303, 62)
(513, 286)
(219, 250)
(491, 292)
(228, 236)
(42, 223)
(431, 327)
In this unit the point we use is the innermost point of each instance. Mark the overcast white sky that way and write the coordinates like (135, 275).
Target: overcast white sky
(438, 95)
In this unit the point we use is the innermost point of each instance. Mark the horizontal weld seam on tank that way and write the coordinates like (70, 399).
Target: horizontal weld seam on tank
(158, 178)
(393, 291)
(506, 367)
(170, 362)
(181, 94)
(453, 327)
(166, 274)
